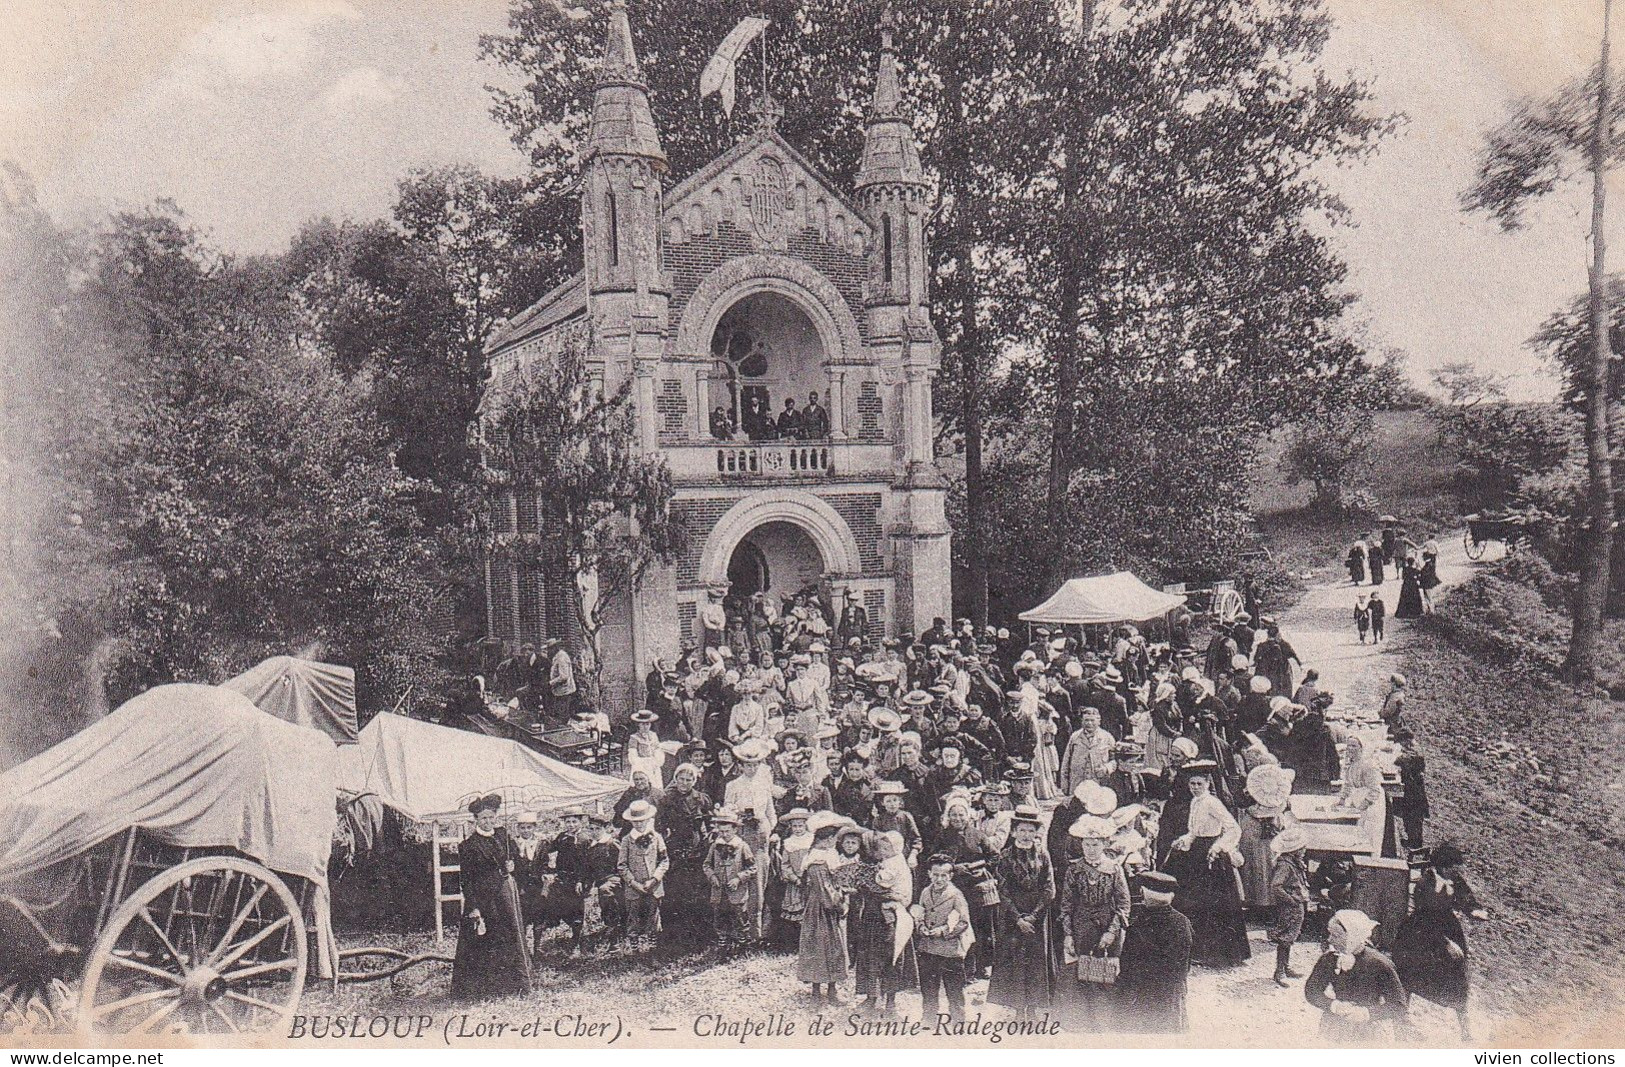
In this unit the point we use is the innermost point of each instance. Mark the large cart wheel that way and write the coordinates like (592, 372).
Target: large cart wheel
(211, 946)
(1475, 547)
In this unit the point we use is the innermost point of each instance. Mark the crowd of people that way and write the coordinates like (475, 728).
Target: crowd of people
(755, 420)
(1077, 818)
(1416, 566)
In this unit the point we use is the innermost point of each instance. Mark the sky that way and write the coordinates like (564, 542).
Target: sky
(256, 116)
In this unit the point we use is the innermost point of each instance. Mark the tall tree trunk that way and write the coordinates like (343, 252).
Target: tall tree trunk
(1068, 356)
(962, 244)
(1068, 347)
(1591, 596)
(971, 371)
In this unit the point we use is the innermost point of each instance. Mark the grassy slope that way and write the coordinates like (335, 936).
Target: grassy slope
(1407, 473)
(1524, 773)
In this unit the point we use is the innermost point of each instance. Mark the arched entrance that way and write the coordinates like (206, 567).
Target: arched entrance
(768, 367)
(795, 532)
(776, 557)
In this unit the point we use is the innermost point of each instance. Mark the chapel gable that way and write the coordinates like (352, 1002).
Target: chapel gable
(763, 196)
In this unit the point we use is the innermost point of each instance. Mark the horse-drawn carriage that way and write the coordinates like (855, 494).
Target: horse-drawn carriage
(171, 861)
(1509, 529)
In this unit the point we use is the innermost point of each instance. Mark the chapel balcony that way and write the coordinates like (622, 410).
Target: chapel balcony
(762, 462)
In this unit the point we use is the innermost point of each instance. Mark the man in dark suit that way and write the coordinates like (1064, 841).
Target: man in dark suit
(854, 619)
(814, 418)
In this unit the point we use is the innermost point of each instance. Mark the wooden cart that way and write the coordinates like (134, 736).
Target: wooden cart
(161, 939)
(1509, 530)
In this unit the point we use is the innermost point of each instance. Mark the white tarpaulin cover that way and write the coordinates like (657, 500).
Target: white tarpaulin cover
(302, 691)
(192, 765)
(426, 771)
(1119, 597)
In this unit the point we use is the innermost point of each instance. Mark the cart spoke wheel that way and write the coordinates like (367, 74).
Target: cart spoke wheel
(260, 968)
(172, 977)
(163, 938)
(225, 1016)
(248, 946)
(236, 924)
(113, 1007)
(170, 1007)
(213, 945)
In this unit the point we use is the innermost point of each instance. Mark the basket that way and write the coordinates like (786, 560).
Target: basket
(1098, 970)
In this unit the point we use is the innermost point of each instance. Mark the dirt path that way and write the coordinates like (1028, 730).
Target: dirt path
(1321, 628)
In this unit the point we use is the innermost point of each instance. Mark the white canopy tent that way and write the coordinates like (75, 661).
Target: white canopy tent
(429, 773)
(302, 691)
(1108, 599)
(193, 766)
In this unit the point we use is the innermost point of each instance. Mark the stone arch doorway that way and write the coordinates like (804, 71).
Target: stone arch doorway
(816, 533)
(777, 557)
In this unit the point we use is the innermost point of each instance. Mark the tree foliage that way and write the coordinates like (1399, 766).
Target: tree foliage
(225, 491)
(551, 433)
(1545, 143)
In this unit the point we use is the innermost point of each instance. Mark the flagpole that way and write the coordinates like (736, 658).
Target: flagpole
(764, 64)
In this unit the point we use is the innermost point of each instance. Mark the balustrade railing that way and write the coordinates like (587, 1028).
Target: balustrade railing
(772, 460)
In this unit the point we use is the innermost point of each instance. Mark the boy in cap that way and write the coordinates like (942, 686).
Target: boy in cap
(730, 867)
(643, 866)
(942, 938)
(1289, 892)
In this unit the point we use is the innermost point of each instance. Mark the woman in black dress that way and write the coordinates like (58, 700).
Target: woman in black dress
(1356, 562)
(493, 958)
(1430, 951)
(1023, 955)
(1410, 590)
(1204, 859)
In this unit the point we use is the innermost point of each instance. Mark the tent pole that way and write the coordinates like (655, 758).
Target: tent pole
(439, 924)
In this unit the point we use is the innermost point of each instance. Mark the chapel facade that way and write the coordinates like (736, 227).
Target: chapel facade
(752, 282)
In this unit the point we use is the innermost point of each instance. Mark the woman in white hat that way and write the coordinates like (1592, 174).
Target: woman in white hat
(1354, 985)
(643, 751)
(1269, 788)
(1094, 916)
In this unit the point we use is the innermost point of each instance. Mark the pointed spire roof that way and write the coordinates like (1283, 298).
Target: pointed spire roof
(889, 152)
(622, 121)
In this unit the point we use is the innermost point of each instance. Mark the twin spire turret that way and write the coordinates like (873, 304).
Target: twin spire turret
(623, 122)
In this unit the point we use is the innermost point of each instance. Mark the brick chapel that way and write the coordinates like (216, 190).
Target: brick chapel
(751, 285)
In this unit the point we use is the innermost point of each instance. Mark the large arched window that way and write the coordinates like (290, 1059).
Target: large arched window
(767, 351)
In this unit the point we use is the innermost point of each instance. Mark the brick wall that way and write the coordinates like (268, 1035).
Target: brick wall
(532, 603)
(688, 613)
(690, 261)
(501, 622)
(862, 514)
(699, 518)
(672, 405)
(871, 412)
(874, 602)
